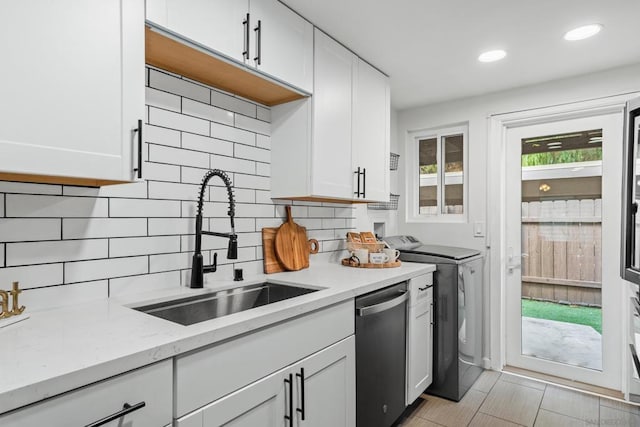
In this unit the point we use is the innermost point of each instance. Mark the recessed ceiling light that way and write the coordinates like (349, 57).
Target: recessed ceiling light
(492, 55)
(583, 32)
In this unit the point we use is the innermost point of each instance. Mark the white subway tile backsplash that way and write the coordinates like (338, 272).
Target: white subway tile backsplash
(252, 181)
(234, 104)
(242, 224)
(56, 251)
(264, 114)
(169, 262)
(137, 190)
(177, 86)
(333, 223)
(29, 229)
(161, 136)
(19, 205)
(160, 99)
(85, 228)
(137, 237)
(39, 299)
(176, 191)
(206, 111)
(177, 121)
(84, 271)
(296, 212)
(248, 210)
(144, 208)
(263, 141)
(263, 169)
(143, 245)
(32, 276)
(232, 134)
(161, 172)
(230, 164)
(27, 188)
(252, 153)
(206, 144)
(144, 283)
(171, 226)
(177, 156)
(253, 125)
(318, 212)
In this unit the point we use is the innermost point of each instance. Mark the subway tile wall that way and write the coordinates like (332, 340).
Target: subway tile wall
(67, 244)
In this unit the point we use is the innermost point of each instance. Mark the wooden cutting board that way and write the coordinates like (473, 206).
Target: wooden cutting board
(292, 247)
(270, 261)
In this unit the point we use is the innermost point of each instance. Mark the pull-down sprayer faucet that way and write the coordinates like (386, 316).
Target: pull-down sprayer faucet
(197, 268)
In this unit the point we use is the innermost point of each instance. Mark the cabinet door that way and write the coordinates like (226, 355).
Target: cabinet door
(151, 385)
(328, 378)
(283, 45)
(371, 129)
(216, 24)
(420, 349)
(262, 403)
(331, 172)
(74, 90)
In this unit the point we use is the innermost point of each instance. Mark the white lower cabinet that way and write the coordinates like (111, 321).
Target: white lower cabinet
(151, 385)
(317, 391)
(419, 337)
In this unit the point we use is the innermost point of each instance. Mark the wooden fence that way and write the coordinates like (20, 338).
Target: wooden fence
(562, 251)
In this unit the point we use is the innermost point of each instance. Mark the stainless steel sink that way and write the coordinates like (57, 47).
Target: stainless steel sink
(198, 308)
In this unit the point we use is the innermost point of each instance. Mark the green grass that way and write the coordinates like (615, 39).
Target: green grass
(590, 316)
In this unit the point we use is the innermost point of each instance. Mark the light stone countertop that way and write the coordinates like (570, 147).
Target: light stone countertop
(58, 350)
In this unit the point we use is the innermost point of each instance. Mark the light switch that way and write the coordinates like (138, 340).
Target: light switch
(478, 229)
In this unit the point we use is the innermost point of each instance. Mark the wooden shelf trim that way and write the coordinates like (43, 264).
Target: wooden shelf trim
(195, 63)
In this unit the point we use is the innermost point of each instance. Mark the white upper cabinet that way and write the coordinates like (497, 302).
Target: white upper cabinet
(281, 43)
(371, 130)
(319, 144)
(73, 90)
(264, 35)
(332, 117)
(213, 23)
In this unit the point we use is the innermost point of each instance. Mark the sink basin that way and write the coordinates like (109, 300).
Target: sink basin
(198, 308)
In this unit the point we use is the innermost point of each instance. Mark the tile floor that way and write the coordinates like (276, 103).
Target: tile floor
(503, 400)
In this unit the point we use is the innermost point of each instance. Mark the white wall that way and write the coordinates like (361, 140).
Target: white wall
(475, 111)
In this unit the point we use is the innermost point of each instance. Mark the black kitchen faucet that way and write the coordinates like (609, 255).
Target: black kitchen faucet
(197, 267)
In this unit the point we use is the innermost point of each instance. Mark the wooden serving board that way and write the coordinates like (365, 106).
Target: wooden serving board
(349, 263)
(270, 261)
(292, 247)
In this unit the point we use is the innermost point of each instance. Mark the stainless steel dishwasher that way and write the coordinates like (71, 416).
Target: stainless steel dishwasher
(381, 356)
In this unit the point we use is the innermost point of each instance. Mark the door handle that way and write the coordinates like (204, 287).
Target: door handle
(385, 305)
(138, 130)
(289, 382)
(258, 31)
(301, 410)
(126, 409)
(245, 23)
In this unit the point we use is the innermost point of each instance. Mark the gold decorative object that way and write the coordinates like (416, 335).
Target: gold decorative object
(16, 309)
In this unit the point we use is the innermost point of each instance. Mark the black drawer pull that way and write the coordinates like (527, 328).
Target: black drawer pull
(425, 288)
(289, 382)
(126, 409)
(301, 376)
(139, 131)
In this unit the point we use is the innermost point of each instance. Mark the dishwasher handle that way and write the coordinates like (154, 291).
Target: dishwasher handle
(383, 306)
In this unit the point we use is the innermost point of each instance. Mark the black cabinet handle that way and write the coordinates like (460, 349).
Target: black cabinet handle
(258, 31)
(245, 23)
(126, 409)
(289, 417)
(357, 192)
(425, 288)
(364, 183)
(139, 131)
(301, 376)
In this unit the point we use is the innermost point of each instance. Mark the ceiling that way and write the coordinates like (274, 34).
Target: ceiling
(429, 48)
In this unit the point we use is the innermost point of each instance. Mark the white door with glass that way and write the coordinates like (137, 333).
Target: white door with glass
(562, 201)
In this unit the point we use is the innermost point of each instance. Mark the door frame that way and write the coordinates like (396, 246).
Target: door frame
(496, 208)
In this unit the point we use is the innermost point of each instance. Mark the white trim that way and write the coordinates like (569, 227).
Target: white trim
(496, 231)
(412, 175)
